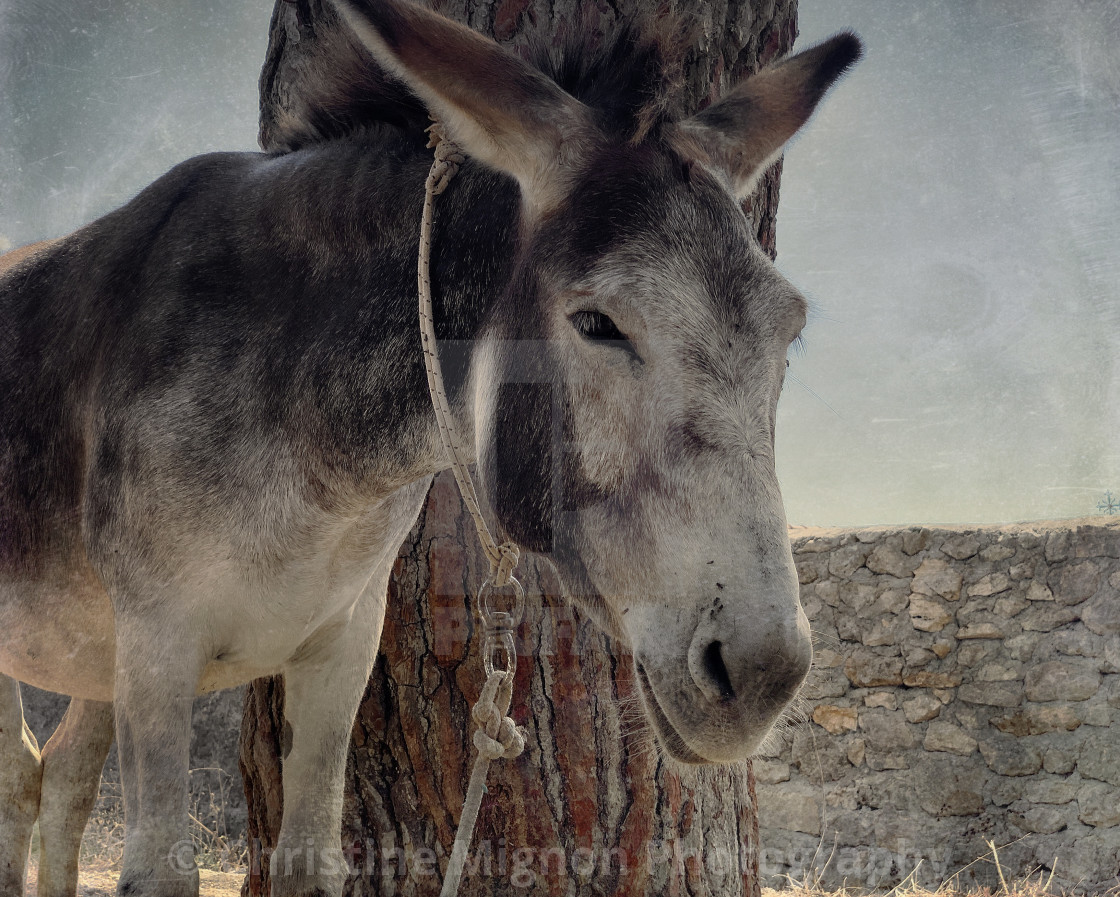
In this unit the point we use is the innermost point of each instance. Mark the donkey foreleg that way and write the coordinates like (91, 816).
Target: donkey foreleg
(72, 761)
(321, 696)
(20, 775)
(154, 689)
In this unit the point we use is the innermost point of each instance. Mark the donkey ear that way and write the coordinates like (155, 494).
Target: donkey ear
(745, 131)
(495, 106)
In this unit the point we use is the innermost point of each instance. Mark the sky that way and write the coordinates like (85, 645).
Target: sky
(950, 212)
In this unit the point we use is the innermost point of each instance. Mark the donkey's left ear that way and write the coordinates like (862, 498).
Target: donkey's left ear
(497, 107)
(745, 131)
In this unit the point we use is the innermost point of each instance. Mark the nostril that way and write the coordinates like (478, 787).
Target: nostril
(716, 670)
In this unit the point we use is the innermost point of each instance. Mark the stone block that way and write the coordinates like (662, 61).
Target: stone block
(994, 694)
(846, 560)
(1061, 681)
(1102, 614)
(1075, 642)
(946, 737)
(824, 683)
(794, 808)
(889, 560)
(1077, 582)
(865, 669)
(890, 630)
(1023, 570)
(816, 546)
(770, 772)
(1034, 720)
(1059, 762)
(1097, 715)
(857, 751)
(921, 708)
(893, 597)
(961, 547)
(819, 758)
(931, 679)
(942, 647)
(1095, 542)
(1049, 790)
(1040, 820)
(980, 629)
(1000, 671)
(807, 572)
(881, 761)
(928, 614)
(1039, 591)
(958, 803)
(1010, 606)
(1056, 547)
(1004, 791)
(915, 540)
(856, 597)
(887, 730)
(974, 653)
(1100, 758)
(1021, 646)
(1094, 859)
(1099, 805)
(918, 657)
(836, 720)
(946, 787)
(885, 699)
(1046, 617)
(1008, 757)
(992, 584)
(937, 578)
(828, 592)
(1001, 551)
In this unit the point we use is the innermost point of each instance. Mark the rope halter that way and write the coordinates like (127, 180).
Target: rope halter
(497, 735)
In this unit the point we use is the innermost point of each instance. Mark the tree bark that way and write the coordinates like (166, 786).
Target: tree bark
(589, 808)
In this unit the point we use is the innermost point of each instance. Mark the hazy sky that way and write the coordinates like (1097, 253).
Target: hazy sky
(951, 211)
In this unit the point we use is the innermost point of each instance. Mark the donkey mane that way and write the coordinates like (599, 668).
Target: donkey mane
(634, 81)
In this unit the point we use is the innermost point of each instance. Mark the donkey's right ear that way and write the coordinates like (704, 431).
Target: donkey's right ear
(746, 130)
(495, 106)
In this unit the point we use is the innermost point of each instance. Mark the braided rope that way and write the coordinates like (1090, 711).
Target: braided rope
(497, 735)
(448, 157)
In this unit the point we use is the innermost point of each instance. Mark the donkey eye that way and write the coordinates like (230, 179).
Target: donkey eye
(597, 327)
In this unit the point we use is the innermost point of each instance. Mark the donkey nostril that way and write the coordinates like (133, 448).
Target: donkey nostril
(717, 670)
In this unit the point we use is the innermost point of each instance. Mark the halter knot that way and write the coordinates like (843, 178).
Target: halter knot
(501, 570)
(448, 158)
(497, 735)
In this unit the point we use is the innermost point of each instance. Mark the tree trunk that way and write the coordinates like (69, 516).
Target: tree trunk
(589, 808)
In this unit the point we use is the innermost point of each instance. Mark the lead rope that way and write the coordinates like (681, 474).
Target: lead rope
(497, 735)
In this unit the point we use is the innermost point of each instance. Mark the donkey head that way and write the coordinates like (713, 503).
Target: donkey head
(625, 384)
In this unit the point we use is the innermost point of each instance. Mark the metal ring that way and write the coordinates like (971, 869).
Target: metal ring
(486, 607)
(504, 643)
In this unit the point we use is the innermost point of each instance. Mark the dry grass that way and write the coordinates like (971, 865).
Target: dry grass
(222, 857)
(1037, 884)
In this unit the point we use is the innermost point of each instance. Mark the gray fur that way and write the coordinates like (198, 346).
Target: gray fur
(216, 430)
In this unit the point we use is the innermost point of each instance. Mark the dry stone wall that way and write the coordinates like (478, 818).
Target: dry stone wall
(966, 689)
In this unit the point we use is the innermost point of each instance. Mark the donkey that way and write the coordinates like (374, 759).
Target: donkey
(216, 429)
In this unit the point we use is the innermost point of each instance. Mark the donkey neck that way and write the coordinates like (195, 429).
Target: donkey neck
(472, 255)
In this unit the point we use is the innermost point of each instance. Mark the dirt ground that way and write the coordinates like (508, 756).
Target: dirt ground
(95, 882)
